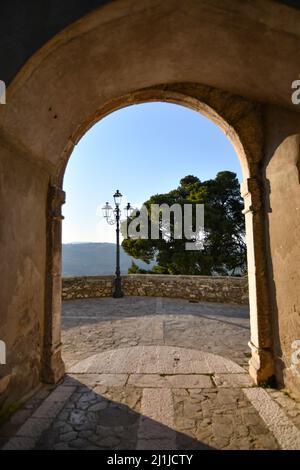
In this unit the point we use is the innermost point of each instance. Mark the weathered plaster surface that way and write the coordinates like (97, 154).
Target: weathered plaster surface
(22, 271)
(283, 226)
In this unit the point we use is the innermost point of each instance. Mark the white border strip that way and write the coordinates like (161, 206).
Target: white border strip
(156, 427)
(30, 432)
(284, 430)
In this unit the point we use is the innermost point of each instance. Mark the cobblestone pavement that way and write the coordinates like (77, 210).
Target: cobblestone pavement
(137, 390)
(94, 325)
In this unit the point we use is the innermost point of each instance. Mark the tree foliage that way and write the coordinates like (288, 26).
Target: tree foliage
(224, 249)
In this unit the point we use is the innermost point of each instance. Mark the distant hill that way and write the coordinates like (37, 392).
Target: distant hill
(91, 259)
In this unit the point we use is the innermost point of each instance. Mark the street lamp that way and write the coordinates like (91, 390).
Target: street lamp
(107, 214)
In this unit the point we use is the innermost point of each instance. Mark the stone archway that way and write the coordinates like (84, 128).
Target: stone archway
(235, 116)
(124, 53)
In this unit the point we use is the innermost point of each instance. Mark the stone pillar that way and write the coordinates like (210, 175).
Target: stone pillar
(53, 366)
(261, 364)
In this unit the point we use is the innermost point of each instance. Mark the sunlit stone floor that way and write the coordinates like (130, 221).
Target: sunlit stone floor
(153, 373)
(95, 325)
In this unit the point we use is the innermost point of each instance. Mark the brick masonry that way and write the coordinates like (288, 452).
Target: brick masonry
(199, 288)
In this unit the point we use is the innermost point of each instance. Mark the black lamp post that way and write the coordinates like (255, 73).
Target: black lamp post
(107, 211)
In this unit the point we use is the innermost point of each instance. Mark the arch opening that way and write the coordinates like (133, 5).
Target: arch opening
(156, 309)
(245, 144)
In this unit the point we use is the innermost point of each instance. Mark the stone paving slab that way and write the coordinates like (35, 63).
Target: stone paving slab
(33, 427)
(290, 407)
(286, 433)
(158, 431)
(28, 434)
(20, 443)
(170, 381)
(112, 380)
(53, 404)
(232, 380)
(155, 360)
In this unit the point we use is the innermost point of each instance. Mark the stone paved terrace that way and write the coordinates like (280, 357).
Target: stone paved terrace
(153, 373)
(94, 325)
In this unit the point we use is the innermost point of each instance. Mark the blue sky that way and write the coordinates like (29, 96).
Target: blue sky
(141, 150)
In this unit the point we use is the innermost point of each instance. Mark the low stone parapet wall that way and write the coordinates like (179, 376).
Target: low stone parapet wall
(198, 288)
